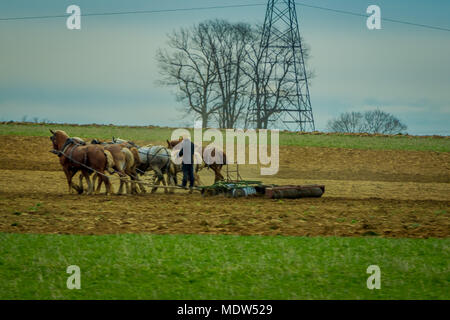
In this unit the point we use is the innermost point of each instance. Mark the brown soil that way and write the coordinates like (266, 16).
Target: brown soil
(368, 193)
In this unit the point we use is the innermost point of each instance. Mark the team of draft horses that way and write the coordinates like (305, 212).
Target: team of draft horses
(129, 161)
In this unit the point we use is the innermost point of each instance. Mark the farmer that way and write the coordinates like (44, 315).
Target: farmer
(187, 152)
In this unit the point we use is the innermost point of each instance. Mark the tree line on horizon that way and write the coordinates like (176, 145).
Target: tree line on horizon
(374, 121)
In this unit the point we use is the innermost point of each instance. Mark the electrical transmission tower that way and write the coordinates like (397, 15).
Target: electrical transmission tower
(280, 31)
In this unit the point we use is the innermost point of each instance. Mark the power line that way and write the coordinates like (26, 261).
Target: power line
(365, 16)
(133, 12)
(226, 7)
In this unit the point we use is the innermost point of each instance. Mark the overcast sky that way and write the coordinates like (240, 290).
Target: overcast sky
(106, 72)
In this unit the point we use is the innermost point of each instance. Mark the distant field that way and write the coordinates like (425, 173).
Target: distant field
(134, 266)
(159, 135)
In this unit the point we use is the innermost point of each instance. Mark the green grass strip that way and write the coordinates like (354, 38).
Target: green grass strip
(160, 134)
(131, 266)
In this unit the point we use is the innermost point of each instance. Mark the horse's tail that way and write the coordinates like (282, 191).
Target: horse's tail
(109, 162)
(224, 158)
(135, 152)
(129, 159)
(172, 171)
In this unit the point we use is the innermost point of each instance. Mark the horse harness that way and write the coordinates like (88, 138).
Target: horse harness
(149, 159)
(76, 143)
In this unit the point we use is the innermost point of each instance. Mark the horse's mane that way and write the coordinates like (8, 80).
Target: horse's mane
(119, 140)
(78, 140)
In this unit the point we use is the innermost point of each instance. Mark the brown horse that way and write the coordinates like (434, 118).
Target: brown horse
(129, 165)
(137, 162)
(215, 166)
(124, 165)
(75, 157)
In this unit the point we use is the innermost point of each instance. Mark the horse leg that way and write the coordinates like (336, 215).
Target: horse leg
(131, 184)
(69, 176)
(109, 187)
(100, 181)
(163, 179)
(159, 177)
(133, 178)
(153, 181)
(217, 175)
(128, 183)
(136, 183)
(122, 177)
(175, 178)
(156, 181)
(171, 179)
(140, 185)
(121, 183)
(170, 182)
(69, 181)
(86, 175)
(81, 183)
(81, 187)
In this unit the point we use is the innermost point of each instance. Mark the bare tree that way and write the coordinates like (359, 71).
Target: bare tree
(221, 73)
(370, 121)
(227, 44)
(189, 68)
(204, 65)
(347, 122)
(378, 121)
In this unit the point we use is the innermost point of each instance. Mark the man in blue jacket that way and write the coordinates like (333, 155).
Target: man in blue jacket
(187, 152)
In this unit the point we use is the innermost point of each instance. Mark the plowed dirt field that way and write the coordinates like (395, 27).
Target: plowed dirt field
(368, 193)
